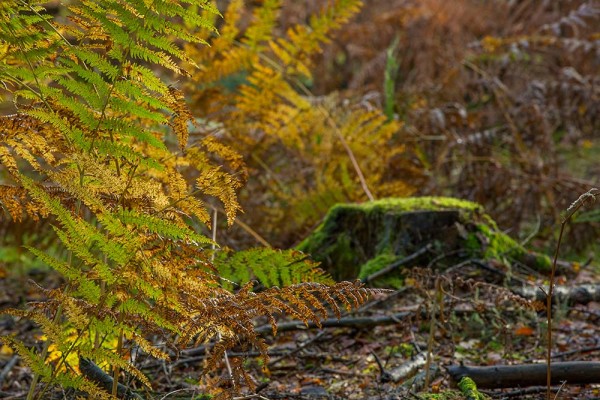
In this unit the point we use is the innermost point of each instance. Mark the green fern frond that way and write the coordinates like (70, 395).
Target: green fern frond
(88, 289)
(161, 227)
(270, 267)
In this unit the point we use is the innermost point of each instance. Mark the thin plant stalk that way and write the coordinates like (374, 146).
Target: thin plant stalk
(115, 382)
(576, 205)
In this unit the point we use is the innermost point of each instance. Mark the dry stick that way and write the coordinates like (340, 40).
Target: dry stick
(299, 348)
(587, 349)
(432, 322)
(104, 380)
(357, 322)
(397, 264)
(409, 368)
(576, 205)
(384, 376)
(212, 259)
(522, 375)
(338, 133)
(247, 228)
(252, 232)
(559, 389)
(6, 370)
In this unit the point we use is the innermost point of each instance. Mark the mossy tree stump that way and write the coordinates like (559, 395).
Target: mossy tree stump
(356, 240)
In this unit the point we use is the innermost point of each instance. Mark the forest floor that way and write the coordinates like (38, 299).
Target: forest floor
(471, 318)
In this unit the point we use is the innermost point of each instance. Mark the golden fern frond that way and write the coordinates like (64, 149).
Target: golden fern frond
(214, 181)
(180, 197)
(260, 32)
(16, 202)
(305, 40)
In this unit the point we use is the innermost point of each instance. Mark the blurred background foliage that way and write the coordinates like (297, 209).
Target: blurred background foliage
(500, 98)
(496, 102)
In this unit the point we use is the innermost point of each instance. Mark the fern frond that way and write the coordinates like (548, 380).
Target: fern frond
(161, 227)
(15, 201)
(303, 41)
(270, 267)
(88, 289)
(217, 183)
(28, 356)
(301, 301)
(261, 30)
(92, 146)
(181, 116)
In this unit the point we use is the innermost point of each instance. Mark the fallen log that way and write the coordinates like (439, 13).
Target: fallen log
(503, 376)
(104, 380)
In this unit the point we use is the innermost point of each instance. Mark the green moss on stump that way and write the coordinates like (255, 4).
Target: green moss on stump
(356, 240)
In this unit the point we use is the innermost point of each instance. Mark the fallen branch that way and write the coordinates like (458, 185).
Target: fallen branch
(105, 381)
(520, 393)
(501, 376)
(581, 294)
(409, 368)
(351, 322)
(7, 368)
(417, 382)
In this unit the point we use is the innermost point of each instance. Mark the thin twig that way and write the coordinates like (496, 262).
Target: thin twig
(397, 264)
(559, 389)
(300, 347)
(251, 396)
(247, 228)
(338, 133)
(176, 391)
(9, 365)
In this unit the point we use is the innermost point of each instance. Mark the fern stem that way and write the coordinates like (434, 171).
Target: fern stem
(115, 383)
(59, 310)
(214, 235)
(35, 77)
(63, 360)
(36, 377)
(252, 232)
